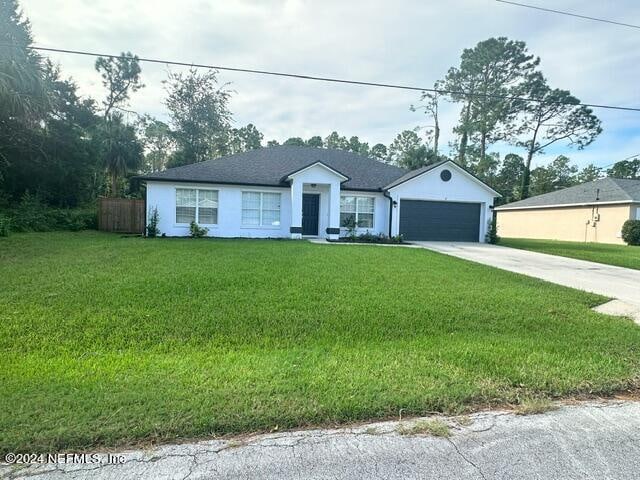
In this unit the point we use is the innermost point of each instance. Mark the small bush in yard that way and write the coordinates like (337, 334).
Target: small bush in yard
(369, 237)
(31, 215)
(5, 225)
(197, 231)
(152, 227)
(631, 232)
(492, 232)
(351, 225)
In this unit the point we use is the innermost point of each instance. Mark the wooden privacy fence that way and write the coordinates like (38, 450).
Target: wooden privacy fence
(124, 215)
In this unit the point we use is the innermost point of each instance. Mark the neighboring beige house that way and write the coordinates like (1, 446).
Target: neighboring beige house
(590, 212)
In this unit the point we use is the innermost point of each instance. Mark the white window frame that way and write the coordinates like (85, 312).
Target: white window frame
(260, 210)
(373, 213)
(197, 219)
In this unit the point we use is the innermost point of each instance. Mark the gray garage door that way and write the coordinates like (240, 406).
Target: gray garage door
(439, 221)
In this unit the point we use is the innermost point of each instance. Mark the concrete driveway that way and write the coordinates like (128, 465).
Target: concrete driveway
(619, 283)
(587, 441)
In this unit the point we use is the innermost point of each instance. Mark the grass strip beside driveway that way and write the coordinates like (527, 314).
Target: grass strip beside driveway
(619, 255)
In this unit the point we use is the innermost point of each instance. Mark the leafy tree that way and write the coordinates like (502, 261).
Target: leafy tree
(72, 173)
(336, 141)
(625, 169)
(487, 168)
(315, 141)
(295, 142)
(509, 178)
(56, 159)
(408, 151)
(379, 152)
(65, 103)
(273, 143)
(490, 75)
(245, 138)
(121, 77)
(24, 93)
(23, 89)
(199, 116)
(120, 148)
(558, 174)
(158, 143)
(356, 146)
(430, 106)
(589, 174)
(406, 143)
(556, 117)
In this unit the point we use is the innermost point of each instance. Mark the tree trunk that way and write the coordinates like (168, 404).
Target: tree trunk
(526, 176)
(114, 184)
(483, 145)
(465, 134)
(436, 138)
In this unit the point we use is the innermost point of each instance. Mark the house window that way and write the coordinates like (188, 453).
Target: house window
(260, 209)
(196, 205)
(356, 211)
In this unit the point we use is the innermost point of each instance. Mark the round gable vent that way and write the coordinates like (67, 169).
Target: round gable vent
(445, 175)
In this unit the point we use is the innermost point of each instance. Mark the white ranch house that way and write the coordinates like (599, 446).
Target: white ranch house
(299, 192)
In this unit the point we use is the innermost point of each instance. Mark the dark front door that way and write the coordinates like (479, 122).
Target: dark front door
(310, 213)
(439, 221)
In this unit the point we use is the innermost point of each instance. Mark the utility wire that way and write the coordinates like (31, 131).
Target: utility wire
(585, 17)
(623, 160)
(326, 79)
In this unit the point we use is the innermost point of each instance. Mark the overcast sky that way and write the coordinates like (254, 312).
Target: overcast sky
(406, 42)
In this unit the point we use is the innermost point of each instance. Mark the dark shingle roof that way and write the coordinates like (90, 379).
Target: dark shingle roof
(599, 191)
(268, 166)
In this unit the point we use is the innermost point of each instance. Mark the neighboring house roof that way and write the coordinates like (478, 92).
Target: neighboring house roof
(270, 166)
(416, 173)
(604, 190)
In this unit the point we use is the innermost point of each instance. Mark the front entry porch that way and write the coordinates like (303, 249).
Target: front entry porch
(315, 202)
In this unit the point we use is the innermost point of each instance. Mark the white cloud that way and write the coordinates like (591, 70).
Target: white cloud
(407, 42)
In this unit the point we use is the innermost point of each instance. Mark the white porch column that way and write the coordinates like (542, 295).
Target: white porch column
(296, 209)
(333, 231)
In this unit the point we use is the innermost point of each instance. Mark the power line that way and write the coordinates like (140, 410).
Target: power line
(327, 79)
(618, 161)
(585, 17)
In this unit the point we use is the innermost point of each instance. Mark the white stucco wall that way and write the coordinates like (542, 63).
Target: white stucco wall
(461, 188)
(163, 196)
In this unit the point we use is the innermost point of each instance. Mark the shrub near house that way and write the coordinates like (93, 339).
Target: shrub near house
(631, 232)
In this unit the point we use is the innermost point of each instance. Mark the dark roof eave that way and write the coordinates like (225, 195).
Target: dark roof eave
(143, 178)
(212, 182)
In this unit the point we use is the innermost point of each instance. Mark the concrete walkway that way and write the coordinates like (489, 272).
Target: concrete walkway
(584, 441)
(620, 283)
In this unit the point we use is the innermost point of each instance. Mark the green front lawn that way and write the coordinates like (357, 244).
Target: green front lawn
(107, 340)
(620, 255)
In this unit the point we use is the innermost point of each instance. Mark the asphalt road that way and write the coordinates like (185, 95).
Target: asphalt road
(584, 441)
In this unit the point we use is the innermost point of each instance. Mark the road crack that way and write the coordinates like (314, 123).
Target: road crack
(476, 467)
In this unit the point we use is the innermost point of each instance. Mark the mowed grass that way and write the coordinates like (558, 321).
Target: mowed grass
(106, 341)
(619, 255)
